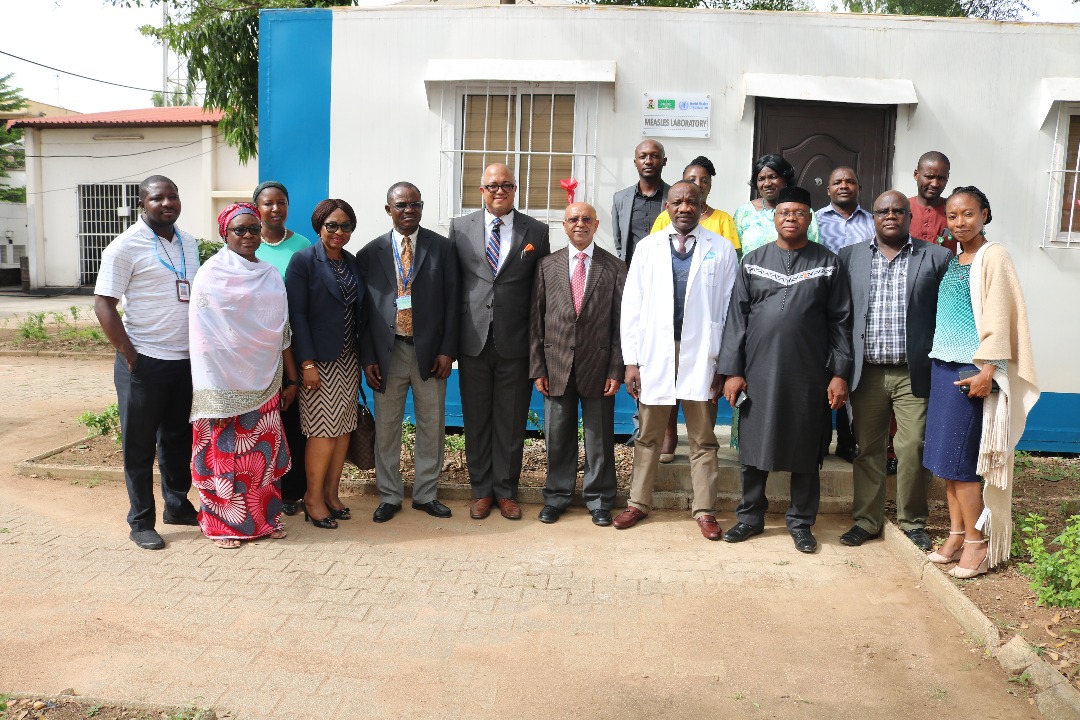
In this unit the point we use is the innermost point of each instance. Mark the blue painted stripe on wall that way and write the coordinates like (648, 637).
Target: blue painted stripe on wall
(294, 107)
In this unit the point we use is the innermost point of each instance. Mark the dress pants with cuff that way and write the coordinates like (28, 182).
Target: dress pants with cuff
(429, 404)
(495, 394)
(884, 391)
(598, 485)
(155, 403)
(805, 498)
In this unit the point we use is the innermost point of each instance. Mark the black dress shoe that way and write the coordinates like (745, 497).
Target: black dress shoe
(805, 542)
(890, 466)
(847, 453)
(741, 531)
(290, 508)
(550, 514)
(601, 517)
(856, 536)
(921, 538)
(385, 512)
(191, 519)
(147, 539)
(433, 508)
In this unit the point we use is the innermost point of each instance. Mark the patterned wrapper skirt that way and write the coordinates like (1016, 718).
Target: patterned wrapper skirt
(953, 425)
(330, 411)
(237, 470)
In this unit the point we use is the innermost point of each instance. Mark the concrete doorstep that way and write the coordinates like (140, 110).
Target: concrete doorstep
(1056, 698)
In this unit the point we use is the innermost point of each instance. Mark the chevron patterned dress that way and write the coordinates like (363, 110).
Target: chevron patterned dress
(330, 410)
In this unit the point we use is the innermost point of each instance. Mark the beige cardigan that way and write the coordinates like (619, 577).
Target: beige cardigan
(1001, 319)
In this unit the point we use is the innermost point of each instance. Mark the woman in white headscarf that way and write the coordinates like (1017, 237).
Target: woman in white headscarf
(240, 350)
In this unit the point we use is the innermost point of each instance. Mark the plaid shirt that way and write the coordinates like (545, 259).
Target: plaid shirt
(886, 319)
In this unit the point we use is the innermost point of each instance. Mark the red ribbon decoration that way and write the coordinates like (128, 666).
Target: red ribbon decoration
(569, 185)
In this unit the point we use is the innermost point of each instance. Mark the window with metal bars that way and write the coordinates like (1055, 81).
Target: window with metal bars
(105, 211)
(545, 134)
(1063, 203)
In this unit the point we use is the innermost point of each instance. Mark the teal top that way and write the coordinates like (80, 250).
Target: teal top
(757, 227)
(956, 339)
(280, 254)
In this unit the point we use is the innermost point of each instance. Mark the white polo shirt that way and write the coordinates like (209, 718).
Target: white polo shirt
(155, 320)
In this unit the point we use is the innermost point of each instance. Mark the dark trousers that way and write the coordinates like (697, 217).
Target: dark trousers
(294, 482)
(845, 437)
(805, 497)
(155, 403)
(495, 393)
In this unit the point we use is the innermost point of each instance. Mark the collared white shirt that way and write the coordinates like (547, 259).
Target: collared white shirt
(573, 253)
(506, 234)
(691, 238)
(399, 239)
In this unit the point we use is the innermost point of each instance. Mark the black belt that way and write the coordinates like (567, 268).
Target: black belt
(405, 339)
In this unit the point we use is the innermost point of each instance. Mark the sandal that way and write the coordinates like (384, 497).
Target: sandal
(967, 573)
(227, 543)
(279, 534)
(936, 557)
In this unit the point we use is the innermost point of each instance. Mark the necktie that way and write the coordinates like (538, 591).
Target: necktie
(682, 243)
(404, 317)
(577, 283)
(492, 249)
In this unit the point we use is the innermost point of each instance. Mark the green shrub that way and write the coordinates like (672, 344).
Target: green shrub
(207, 249)
(106, 422)
(1055, 576)
(32, 327)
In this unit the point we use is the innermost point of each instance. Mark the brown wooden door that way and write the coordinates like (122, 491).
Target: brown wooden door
(816, 137)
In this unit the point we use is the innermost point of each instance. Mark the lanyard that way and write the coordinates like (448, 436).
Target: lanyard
(400, 268)
(182, 275)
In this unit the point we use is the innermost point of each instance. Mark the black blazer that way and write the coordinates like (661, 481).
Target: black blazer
(316, 305)
(434, 290)
(926, 267)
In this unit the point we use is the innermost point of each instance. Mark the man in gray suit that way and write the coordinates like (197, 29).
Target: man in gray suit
(894, 291)
(634, 209)
(497, 249)
(410, 340)
(576, 355)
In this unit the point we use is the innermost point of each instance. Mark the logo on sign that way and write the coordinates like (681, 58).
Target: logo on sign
(683, 105)
(664, 104)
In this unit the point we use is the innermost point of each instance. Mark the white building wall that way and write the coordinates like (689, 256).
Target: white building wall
(978, 86)
(12, 231)
(183, 153)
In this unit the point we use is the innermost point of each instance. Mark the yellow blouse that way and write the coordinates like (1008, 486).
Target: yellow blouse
(718, 222)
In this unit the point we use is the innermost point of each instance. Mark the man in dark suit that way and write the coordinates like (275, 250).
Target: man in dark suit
(634, 209)
(894, 290)
(576, 355)
(410, 341)
(497, 249)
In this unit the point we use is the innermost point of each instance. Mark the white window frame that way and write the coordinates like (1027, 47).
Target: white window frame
(456, 201)
(1053, 237)
(93, 205)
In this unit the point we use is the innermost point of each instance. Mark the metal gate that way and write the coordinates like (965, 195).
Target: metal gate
(105, 211)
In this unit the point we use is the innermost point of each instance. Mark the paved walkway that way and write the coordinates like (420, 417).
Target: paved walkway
(425, 618)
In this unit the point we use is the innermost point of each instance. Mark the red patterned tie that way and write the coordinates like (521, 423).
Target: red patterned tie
(577, 283)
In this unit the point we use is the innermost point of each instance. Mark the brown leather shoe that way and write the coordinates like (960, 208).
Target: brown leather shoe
(480, 508)
(628, 518)
(709, 527)
(509, 508)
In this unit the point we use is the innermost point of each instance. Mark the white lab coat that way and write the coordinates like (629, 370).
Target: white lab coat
(647, 324)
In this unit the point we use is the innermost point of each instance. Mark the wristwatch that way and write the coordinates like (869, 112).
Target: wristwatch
(292, 382)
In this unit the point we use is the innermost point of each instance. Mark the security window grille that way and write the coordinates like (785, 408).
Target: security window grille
(101, 219)
(546, 134)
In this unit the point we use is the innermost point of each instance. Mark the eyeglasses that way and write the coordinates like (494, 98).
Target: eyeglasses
(886, 212)
(253, 230)
(801, 214)
(575, 220)
(505, 187)
(333, 227)
(418, 205)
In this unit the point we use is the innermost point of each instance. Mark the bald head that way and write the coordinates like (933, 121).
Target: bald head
(580, 223)
(498, 187)
(892, 218)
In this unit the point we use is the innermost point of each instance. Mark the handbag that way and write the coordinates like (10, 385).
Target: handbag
(362, 440)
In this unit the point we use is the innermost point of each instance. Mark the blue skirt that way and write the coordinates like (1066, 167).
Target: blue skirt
(953, 425)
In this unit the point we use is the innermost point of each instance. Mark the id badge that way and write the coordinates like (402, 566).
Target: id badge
(404, 302)
(183, 291)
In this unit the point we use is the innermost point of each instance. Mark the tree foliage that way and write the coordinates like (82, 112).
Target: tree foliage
(220, 41)
(986, 9)
(12, 153)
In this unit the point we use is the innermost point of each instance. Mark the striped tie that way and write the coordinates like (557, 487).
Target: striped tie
(493, 244)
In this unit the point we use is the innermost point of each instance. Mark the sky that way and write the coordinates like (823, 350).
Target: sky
(102, 41)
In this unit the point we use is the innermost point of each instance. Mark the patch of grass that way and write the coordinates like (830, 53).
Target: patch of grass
(1055, 576)
(106, 422)
(93, 710)
(939, 694)
(1021, 679)
(32, 327)
(853, 564)
(455, 443)
(4, 697)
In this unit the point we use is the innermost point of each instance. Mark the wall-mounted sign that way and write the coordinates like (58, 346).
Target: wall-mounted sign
(676, 114)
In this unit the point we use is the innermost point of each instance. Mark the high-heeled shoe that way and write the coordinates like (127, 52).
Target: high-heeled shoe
(289, 508)
(966, 573)
(936, 557)
(342, 514)
(327, 523)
